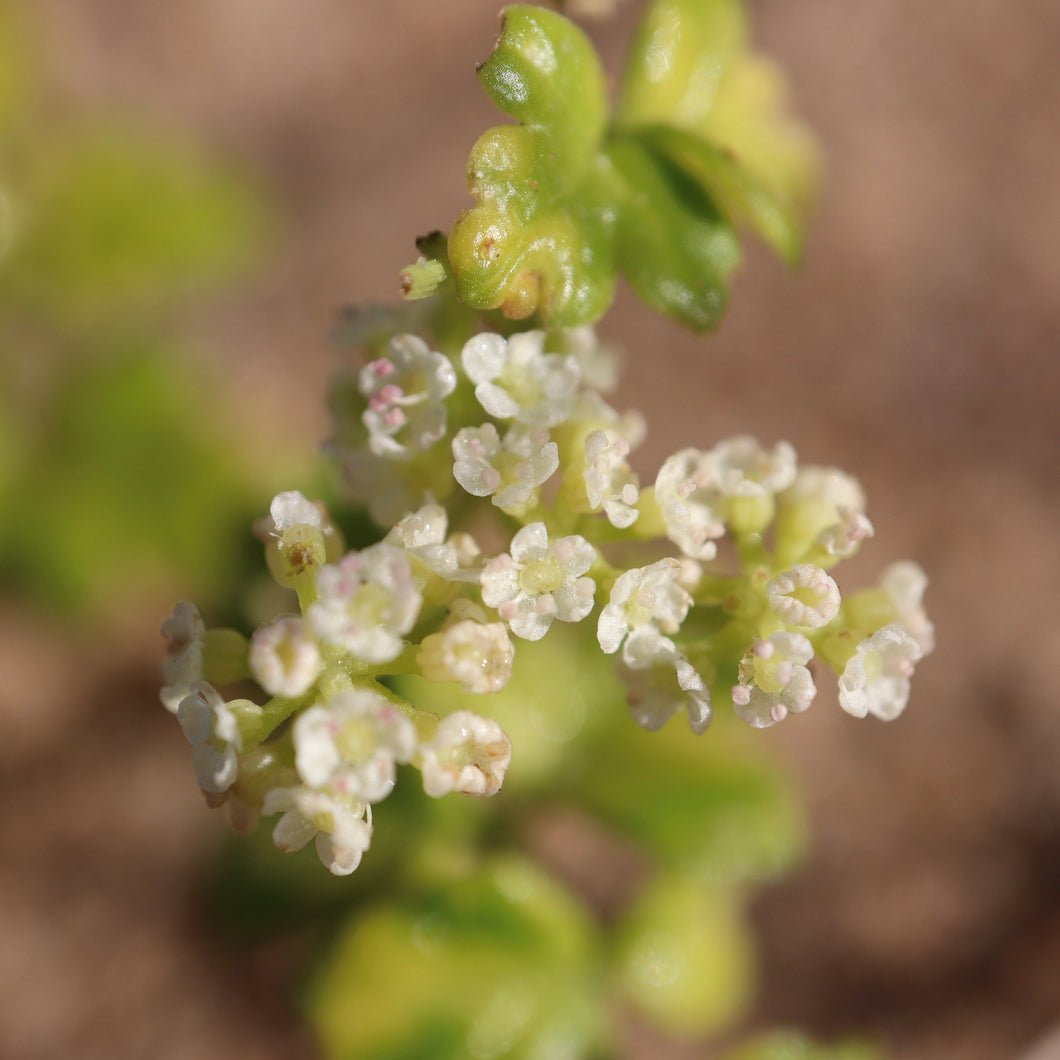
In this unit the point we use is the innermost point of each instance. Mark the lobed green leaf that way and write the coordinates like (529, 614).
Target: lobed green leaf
(717, 109)
(563, 202)
(539, 236)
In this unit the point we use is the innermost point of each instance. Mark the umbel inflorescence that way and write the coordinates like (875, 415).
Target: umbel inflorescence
(711, 586)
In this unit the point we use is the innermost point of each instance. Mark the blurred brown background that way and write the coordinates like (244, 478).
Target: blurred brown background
(917, 348)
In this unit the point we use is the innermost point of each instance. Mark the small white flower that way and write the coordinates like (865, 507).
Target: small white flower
(207, 721)
(367, 602)
(477, 655)
(297, 534)
(538, 582)
(423, 535)
(515, 380)
(641, 597)
(876, 678)
(597, 362)
(683, 491)
(284, 657)
(508, 470)
(291, 508)
(904, 583)
(804, 596)
(351, 745)
(698, 492)
(823, 507)
(424, 528)
(660, 681)
(844, 538)
(406, 394)
(774, 680)
(690, 574)
(742, 468)
(468, 753)
(341, 824)
(609, 481)
(184, 631)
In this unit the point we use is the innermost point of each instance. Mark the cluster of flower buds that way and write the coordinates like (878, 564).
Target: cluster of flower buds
(521, 425)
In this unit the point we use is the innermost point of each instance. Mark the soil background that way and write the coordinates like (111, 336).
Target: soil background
(918, 348)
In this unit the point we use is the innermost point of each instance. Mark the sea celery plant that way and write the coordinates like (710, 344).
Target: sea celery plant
(530, 606)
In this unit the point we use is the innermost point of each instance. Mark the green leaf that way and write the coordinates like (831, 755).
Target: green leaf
(563, 202)
(686, 956)
(122, 482)
(539, 237)
(710, 806)
(501, 964)
(672, 242)
(691, 72)
(790, 1045)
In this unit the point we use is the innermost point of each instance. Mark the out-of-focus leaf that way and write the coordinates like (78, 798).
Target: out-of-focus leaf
(14, 75)
(790, 1045)
(129, 474)
(705, 804)
(686, 956)
(502, 964)
(118, 221)
(539, 236)
(691, 71)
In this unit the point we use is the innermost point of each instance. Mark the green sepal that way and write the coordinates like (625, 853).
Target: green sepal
(693, 88)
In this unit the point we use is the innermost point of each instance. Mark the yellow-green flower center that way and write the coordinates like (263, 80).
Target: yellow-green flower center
(541, 576)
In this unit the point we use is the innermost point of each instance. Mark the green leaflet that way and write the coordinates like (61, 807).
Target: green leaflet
(564, 202)
(671, 241)
(540, 235)
(708, 103)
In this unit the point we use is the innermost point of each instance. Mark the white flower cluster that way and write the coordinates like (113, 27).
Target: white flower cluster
(527, 420)
(519, 426)
(324, 773)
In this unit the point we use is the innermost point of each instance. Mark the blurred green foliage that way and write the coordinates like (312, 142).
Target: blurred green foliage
(789, 1045)
(118, 462)
(500, 964)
